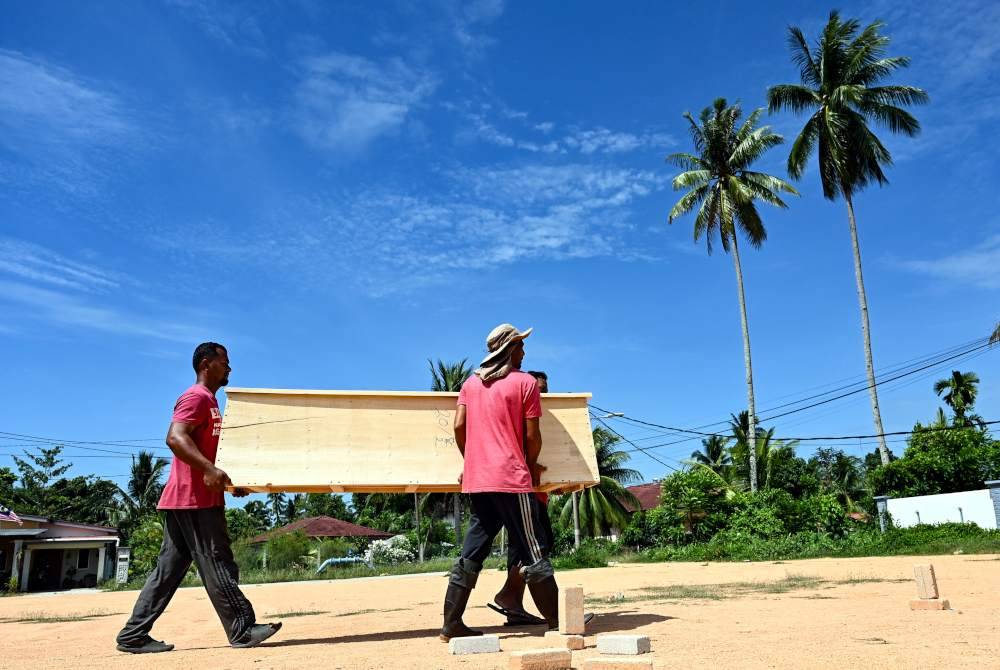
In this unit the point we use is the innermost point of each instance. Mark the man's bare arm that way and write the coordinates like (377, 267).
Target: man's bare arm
(180, 442)
(460, 429)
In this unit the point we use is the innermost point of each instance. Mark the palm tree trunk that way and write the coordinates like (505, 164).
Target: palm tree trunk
(751, 405)
(576, 521)
(883, 450)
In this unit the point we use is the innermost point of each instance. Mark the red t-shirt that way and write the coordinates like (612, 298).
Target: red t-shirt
(185, 487)
(494, 432)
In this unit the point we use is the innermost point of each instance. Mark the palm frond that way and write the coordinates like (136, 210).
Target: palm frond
(792, 97)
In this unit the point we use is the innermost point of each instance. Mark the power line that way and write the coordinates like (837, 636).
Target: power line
(637, 447)
(108, 443)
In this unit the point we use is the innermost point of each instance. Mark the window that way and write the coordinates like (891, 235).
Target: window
(83, 559)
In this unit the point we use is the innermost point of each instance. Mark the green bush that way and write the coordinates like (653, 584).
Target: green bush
(288, 550)
(591, 554)
(145, 544)
(334, 547)
(247, 556)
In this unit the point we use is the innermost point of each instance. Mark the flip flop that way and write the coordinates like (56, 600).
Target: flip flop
(257, 634)
(516, 618)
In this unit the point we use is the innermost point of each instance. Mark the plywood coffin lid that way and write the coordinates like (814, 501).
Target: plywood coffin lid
(379, 441)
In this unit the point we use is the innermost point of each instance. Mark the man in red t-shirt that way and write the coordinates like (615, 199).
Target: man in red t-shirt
(496, 429)
(195, 529)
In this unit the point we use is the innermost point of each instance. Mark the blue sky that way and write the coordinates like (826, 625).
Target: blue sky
(340, 191)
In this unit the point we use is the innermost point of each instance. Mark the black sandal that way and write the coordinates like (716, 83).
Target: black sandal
(517, 618)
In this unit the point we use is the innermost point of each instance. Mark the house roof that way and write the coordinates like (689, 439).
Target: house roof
(324, 526)
(648, 495)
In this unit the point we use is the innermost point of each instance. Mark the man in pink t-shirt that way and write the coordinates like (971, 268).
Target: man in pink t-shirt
(496, 429)
(194, 528)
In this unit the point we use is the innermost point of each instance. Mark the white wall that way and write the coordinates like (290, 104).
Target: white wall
(976, 507)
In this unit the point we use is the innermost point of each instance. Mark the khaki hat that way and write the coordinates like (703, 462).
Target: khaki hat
(502, 337)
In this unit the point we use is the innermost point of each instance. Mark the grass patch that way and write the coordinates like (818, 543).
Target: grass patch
(42, 617)
(289, 615)
(710, 591)
(854, 581)
(358, 612)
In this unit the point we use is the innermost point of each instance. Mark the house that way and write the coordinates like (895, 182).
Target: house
(647, 494)
(320, 527)
(46, 554)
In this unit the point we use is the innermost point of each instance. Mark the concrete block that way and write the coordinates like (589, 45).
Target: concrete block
(608, 663)
(929, 605)
(571, 610)
(926, 581)
(478, 644)
(541, 659)
(629, 645)
(571, 642)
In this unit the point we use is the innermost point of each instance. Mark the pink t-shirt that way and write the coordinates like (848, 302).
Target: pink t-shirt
(494, 432)
(185, 487)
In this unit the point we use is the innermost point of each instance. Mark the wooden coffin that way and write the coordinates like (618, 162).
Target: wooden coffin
(379, 441)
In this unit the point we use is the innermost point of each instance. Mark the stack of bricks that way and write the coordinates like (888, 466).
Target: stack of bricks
(617, 652)
(927, 590)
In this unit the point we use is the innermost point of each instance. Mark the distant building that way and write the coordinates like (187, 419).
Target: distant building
(49, 555)
(319, 527)
(647, 494)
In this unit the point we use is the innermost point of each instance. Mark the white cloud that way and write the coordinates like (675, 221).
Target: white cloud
(344, 102)
(36, 263)
(979, 266)
(602, 140)
(230, 24)
(468, 17)
(53, 106)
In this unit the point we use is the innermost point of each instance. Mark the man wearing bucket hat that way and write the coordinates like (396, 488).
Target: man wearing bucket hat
(496, 429)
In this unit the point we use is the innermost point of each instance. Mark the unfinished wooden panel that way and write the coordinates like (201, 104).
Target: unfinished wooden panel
(379, 441)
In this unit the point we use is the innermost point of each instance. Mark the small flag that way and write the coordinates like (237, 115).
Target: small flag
(7, 514)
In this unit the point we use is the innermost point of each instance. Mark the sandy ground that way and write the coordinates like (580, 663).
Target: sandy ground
(835, 613)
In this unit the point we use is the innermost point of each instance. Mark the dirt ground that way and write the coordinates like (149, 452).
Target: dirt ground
(827, 613)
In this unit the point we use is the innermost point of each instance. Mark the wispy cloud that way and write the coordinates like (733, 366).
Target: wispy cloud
(40, 285)
(57, 127)
(230, 24)
(602, 140)
(978, 266)
(385, 241)
(469, 17)
(344, 102)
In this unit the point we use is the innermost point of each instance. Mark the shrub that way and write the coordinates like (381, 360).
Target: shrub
(247, 556)
(592, 553)
(145, 544)
(287, 550)
(396, 549)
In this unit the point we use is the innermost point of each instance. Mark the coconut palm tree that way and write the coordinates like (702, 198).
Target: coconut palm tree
(139, 497)
(959, 393)
(602, 507)
(277, 504)
(449, 377)
(714, 454)
(840, 86)
(721, 185)
(768, 452)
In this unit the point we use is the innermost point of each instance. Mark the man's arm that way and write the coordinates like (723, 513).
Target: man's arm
(460, 429)
(533, 448)
(180, 442)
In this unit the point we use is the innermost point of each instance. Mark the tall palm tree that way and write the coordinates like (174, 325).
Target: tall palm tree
(714, 453)
(764, 448)
(961, 393)
(602, 507)
(720, 183)
(139, 497)
(449, 377)
(840, 80)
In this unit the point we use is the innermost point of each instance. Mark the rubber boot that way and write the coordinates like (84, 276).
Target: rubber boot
(455, 600)
(545, 593)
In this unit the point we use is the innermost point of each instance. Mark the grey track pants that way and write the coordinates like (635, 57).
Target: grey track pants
(197, 535)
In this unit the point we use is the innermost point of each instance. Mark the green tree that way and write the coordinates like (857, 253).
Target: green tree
(840, 84)
(721, 185)
(326, 504)
(7, 480)
(242, 524)
(714, 454)
(449, 377)
(771, 455)
(37, 472)
(960, 392)
(142, 493)
(839, 474)
(602, 508)
(276, 506)
(258, 512)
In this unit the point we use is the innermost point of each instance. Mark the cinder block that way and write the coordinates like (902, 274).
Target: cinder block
(929, 605)
(926, 581)
(571, 642)
(607, 663)
(629, 645)
(571, 610)
(541, 659)
(478, 644)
